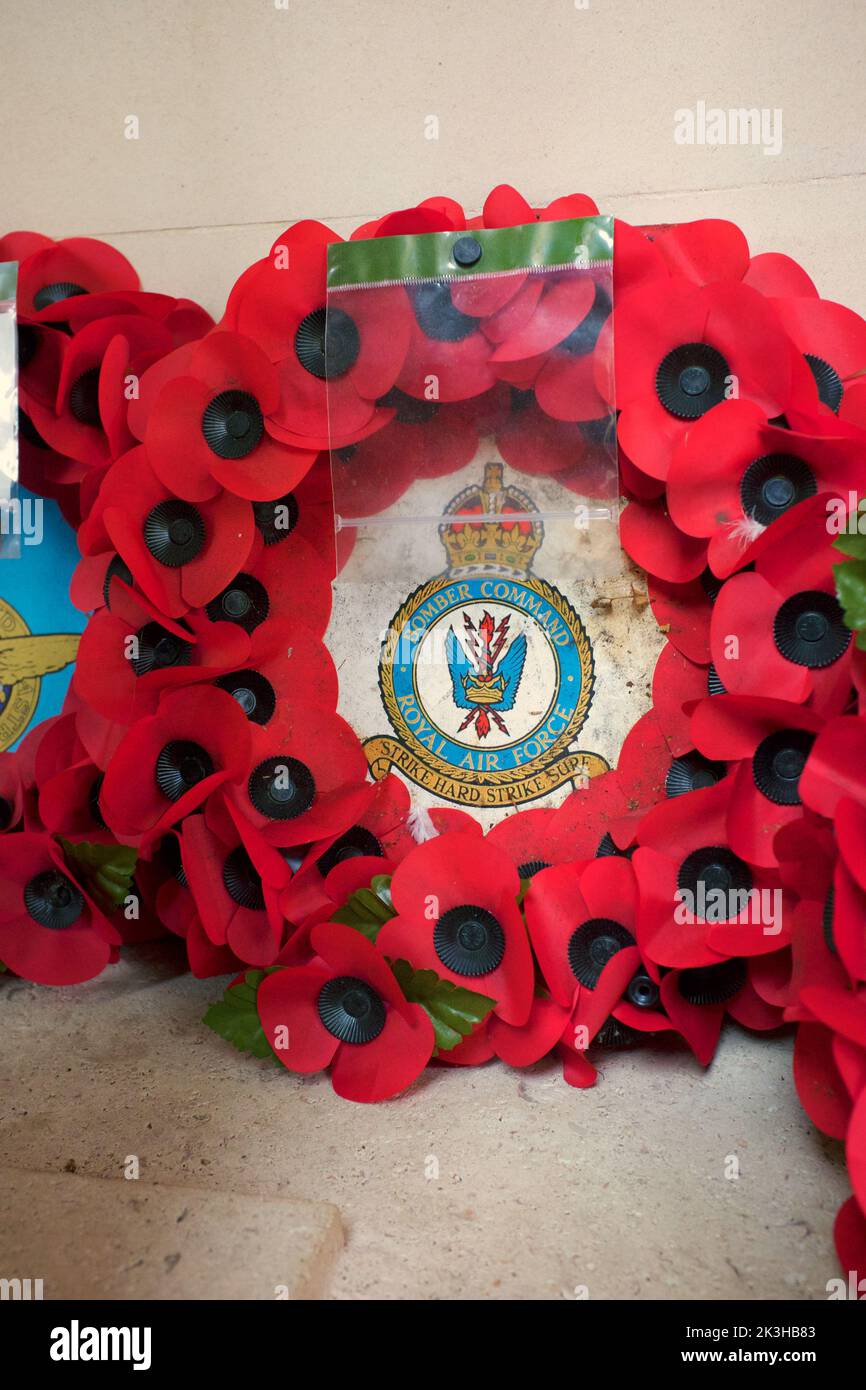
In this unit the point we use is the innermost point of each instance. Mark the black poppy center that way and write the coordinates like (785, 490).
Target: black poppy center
(714, 869)
(436, 315)
(242, 880)
(691, 379)
(712, 984)
(354, 844)
(584, 337)
(53, 900)
(827, 920)
(408, 410)
(691, 772)
(532, 867)
(159, 649)
(469, 940)
(6, 813)
(642, 991)
(253, 692)
(607, 846)
(56, 292)
(174, 533)
(827, 380)
(232, 424)
(245, 602)
(327, 343)
(773, 483)
(351, 1010)
(180, 766)
(778, 762)
(809, 629)
(84, 397)
(592, 945)
(281, 788)
(117, 569)
(276, 520)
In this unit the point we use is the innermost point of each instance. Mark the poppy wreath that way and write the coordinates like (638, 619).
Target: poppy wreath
(200, 783)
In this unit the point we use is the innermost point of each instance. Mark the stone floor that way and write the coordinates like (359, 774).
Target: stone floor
(251, 115)
(481, 1183)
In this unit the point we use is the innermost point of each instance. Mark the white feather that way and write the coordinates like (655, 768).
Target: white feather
(420, 824)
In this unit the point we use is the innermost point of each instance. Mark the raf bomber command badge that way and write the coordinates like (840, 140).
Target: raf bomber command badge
(486, 672)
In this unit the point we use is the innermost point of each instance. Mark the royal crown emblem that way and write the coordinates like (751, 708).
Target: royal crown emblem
(486, 672)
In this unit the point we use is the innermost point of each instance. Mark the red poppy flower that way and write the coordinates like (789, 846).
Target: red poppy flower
(781, 627)
(280, 304)
(306, 777)
(68, 784)
(425, 439)
(161, 874)
(87, 419)
(55, 273)
(551, 345)
(594, 1016)
(700, 901)
(278, 582)
(208, 428)
(346, 1010)
(130, 653)
(181, 554)
(579, 916)
(51, 931)
(184, 320)
(832, 340)
(505, 207)
(770, 740)
(306, 513)
(698, 999)
(384, 832)
(531, 841)
(237, 907)
(456, 900)
(168, 764)
(679, 348)
(533, 442)
(735, 474)
(445, 343)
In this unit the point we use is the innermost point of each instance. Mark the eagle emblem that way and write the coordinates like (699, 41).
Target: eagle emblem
(25, 658)
(485, 682)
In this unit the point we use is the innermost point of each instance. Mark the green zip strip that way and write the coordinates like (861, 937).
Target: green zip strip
(581, 241)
